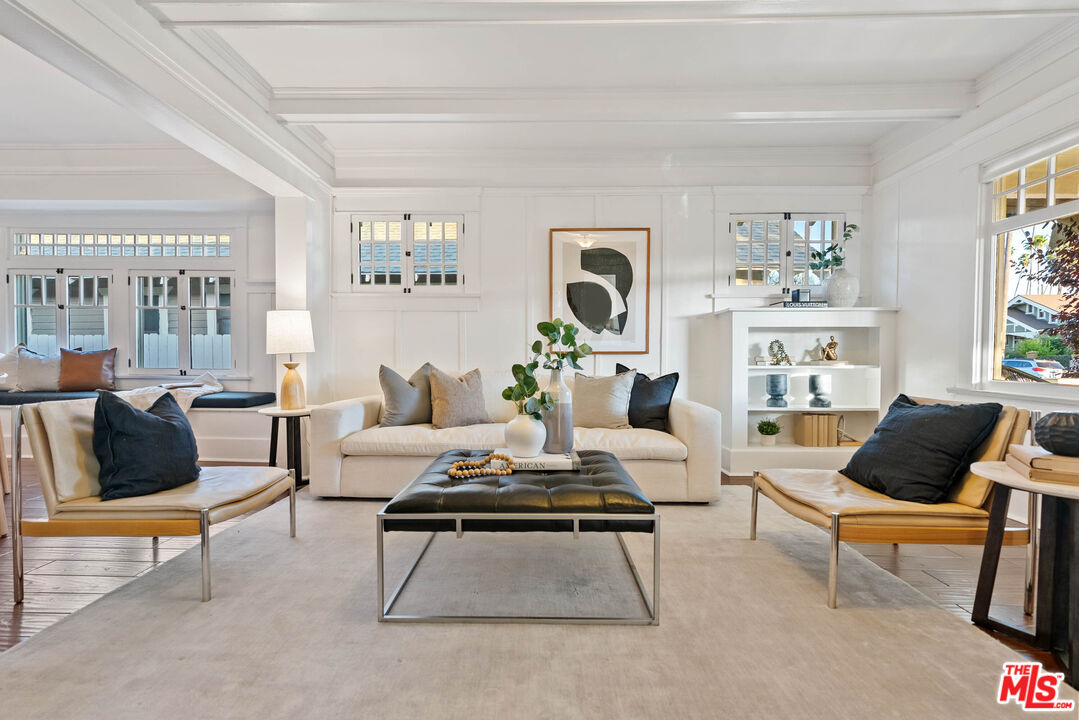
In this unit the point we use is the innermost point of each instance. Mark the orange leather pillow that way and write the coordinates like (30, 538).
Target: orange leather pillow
(81, 371)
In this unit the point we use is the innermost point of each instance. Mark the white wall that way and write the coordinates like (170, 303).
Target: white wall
(493, 328)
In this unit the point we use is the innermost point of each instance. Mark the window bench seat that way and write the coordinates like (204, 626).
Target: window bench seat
(220, 400)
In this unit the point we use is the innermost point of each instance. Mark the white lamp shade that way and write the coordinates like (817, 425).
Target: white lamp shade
(289, 331)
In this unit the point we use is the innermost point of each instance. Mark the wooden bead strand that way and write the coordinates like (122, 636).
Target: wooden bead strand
(478, 468)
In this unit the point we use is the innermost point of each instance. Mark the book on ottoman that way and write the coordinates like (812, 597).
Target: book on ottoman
(1039, 464)
(545, 462)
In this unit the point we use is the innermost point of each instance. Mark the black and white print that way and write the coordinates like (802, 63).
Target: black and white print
(599, 281)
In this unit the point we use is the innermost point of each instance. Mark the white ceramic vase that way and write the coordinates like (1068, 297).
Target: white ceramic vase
(843, 288)
(525, 436)
(768, 440)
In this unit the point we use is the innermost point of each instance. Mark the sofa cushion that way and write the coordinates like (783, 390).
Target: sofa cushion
(405, 402)
(632, 444)
(424, 440)
(650, 401)
(602, 402)
(428, 441)
(457, 401)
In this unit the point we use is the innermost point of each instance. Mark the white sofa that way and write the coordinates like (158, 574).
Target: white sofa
(351, 456)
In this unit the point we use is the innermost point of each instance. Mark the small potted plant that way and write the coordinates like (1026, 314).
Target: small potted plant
(768, 430)
(843, 286)
(525, 434)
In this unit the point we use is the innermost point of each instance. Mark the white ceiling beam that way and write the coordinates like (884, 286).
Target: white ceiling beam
(121, 51)
(793, 104)
(211, 13)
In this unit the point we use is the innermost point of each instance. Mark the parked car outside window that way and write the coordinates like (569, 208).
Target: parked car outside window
(1048, 369)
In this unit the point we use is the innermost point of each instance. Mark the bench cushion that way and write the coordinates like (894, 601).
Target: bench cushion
(813, 495)
(428, 441)
(224, 399)
(601, 486)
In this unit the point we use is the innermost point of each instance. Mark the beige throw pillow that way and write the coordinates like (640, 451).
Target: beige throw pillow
(602, 402)
(457, 401)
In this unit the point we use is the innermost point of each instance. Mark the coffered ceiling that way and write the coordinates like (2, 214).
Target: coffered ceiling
(461, 81)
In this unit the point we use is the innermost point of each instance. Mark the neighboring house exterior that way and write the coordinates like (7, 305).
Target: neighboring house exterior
(1031, 315)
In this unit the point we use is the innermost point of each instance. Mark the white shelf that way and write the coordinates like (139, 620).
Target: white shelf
(792, 368)
(790, 447)
(806, 408)
(781, 309)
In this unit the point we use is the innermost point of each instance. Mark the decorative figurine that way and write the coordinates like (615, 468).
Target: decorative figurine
(820, 386)
(776, 387)
(830, 352)
(779, 353)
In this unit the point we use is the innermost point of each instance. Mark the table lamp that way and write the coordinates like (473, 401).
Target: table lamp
(289, 331)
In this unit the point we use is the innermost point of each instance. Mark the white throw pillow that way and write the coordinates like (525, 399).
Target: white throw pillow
(9, 362)
(36, 372)
(602, 402)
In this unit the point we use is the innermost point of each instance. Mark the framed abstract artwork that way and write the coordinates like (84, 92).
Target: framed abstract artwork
(600, 282)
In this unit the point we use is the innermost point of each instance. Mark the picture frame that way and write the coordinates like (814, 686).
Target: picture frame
(600, 280)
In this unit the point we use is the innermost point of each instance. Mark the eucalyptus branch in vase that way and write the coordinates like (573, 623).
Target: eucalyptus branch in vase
(562, 348)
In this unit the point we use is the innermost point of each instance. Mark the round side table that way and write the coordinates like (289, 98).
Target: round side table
(293, 451)
(1056, 616)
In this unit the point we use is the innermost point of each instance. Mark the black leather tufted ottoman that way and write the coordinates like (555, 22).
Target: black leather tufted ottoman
(601, 497)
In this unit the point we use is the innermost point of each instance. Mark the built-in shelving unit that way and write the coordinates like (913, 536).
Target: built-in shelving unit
(859, 389)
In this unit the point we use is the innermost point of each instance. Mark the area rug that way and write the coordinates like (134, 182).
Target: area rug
(292, 631)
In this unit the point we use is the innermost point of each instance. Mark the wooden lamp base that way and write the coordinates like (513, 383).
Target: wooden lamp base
(292, 396)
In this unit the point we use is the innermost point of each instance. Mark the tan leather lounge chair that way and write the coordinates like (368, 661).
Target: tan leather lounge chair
(219, 494)
(854, 513)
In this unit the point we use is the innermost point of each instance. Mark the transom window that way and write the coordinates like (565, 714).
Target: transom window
(403, 253)
(773, 252)
(1049, 181)
(121, 244)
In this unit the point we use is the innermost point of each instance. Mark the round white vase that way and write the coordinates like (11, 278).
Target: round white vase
(768, 440)
(843, 288)
(525, 436)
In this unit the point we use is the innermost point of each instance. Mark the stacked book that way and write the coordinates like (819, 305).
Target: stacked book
(545, 462)
(1039, 464)
(816, 429)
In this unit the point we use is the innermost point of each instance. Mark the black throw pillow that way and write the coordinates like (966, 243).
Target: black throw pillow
(918, 451)
(142, 451)
(650, 400)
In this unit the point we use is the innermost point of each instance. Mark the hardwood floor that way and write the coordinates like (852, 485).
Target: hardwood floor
(65, 574)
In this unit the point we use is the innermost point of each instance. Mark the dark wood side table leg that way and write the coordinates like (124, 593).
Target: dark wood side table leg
(290, 447)
(1071, 674)
(994, 538)
(1047, 567)
(298, 440)
(274, 427)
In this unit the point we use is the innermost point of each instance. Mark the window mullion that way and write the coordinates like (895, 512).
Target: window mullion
(408, 243)
(183, 323)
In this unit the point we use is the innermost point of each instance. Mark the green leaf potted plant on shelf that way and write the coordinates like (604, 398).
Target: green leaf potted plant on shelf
(843, 286)
(525, 434)
(562, 350)
(768, 430)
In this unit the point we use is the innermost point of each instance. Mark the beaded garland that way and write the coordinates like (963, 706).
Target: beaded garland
(477, 468)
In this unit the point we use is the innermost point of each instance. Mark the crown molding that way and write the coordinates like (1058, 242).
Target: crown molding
(199, 13)
(1046, 50)
(802, 103)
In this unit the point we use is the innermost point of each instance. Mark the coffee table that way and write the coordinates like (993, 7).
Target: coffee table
(601, 497)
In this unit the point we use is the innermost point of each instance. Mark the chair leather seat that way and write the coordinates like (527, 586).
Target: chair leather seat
(216, 487)
(601, 486)
(813, 495)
